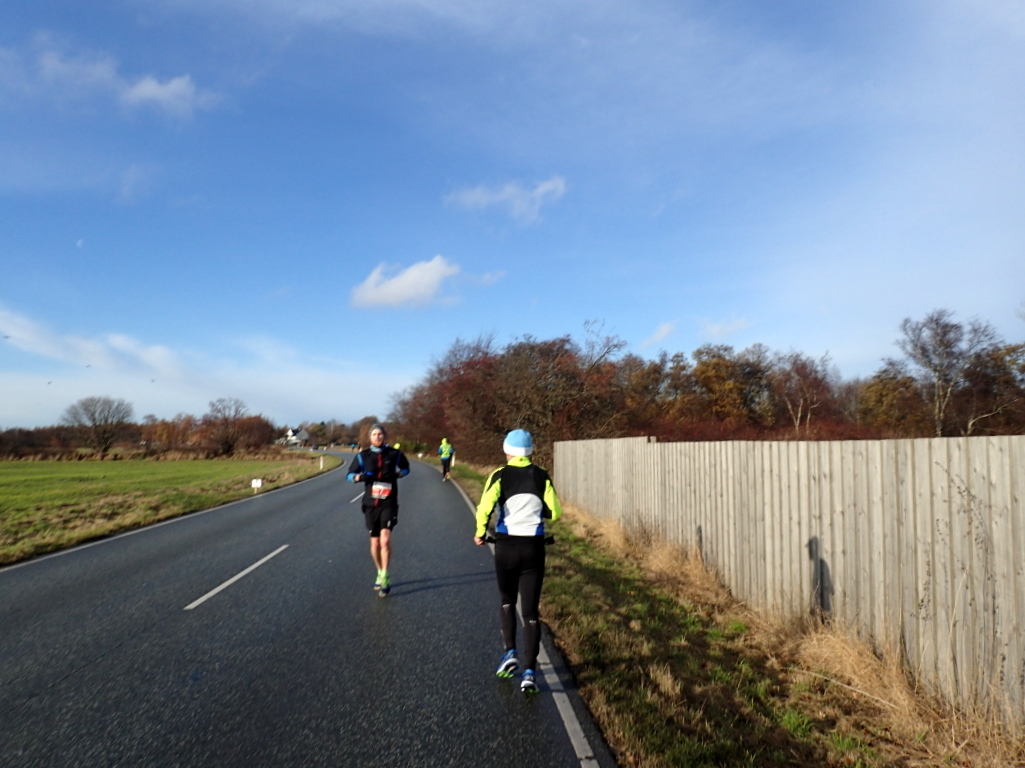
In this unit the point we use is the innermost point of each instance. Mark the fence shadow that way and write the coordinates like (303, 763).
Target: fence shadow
(821, 581)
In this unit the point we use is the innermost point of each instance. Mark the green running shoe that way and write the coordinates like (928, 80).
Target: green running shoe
(509, 664)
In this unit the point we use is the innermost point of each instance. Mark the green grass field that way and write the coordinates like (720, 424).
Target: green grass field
(46, 506)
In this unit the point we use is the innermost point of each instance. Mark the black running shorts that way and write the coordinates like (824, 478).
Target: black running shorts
(382, 516)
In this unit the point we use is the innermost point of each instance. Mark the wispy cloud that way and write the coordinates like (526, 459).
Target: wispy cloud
(522, 203)
(261, 370)
(396, 16)
(661, 333)
(417, 285)
(719, 330)
(490, 278)
(43, 70)
(114, 351)
(135, 182)
(178, 96)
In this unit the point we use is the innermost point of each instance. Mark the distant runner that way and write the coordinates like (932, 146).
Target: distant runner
(379, 468)
(525, 497)
(447, 452)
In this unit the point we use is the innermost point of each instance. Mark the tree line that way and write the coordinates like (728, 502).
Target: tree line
(952, 378)
(96, 425)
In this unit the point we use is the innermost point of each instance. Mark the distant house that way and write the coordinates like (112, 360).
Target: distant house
(300, 437)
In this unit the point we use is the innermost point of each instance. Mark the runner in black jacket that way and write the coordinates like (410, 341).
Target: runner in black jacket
(379, 468)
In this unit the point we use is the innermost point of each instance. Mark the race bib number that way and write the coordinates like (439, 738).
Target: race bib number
(380, 490)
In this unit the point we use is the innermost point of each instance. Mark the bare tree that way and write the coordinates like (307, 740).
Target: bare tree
(103, 419)
(943, 350)
(224, 422)
(801, 384)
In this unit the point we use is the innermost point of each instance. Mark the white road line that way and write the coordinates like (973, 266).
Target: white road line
(569, 718)
(570, 721)
(235, 578)
(357, 498)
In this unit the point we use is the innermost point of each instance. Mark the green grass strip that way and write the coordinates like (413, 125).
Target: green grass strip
(46, 506)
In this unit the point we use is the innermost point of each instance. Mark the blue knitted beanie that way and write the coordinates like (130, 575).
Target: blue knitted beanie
(518, 443)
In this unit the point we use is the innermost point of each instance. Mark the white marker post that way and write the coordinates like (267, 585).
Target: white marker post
(257, 485)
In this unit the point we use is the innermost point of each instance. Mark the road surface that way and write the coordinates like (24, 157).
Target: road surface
(250, 635)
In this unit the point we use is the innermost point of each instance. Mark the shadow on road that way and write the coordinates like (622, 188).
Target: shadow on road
(403, 588)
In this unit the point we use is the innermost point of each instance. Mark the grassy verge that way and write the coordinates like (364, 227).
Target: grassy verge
(46, 506)
(677, 673)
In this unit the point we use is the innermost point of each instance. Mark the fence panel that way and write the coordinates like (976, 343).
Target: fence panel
(917, 544)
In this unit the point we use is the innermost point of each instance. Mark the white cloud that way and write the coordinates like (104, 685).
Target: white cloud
(415, 286)
(178, 96)
(523, 204)
(135, 182)
(394, 16)
(60, 369)
(108, 352)
(661, 333)
(48, 72)
(490, 278)
(722, 329)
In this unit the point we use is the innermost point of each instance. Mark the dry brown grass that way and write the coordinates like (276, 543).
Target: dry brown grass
(869, 709)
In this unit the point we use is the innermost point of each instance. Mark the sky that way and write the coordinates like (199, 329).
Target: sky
(303, 204)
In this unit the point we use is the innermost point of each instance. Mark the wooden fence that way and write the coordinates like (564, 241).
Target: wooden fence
(917, 544)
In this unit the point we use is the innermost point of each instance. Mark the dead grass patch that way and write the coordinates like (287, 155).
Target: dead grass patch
(721, 684)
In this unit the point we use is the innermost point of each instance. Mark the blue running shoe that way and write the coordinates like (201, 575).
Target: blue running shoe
(509, 664)
(527, 684)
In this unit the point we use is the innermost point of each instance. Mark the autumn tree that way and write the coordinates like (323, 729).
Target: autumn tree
(735, 386)
(800, 384)
(892, 401)
(102, 419)
(554, 388)
(255, 432)
(993, 396)
(644, 396)
(223, 424)
(942, 350)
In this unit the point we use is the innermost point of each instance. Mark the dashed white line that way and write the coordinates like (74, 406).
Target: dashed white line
(235, 578)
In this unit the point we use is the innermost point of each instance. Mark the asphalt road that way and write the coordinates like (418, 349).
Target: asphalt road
(295, 663)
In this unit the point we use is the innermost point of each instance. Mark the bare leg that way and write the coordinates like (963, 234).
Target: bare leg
(384, 555)
(375, 550)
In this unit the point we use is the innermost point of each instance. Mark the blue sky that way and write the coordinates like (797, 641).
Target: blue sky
(303, 203)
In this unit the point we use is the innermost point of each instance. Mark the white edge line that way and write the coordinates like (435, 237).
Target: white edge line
(575, 731)
(235, 578)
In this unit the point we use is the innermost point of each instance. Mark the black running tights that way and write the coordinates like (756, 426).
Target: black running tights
(520, 567)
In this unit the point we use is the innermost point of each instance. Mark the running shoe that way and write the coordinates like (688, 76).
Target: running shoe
(377, 583)
(527, 684)
(509, 664)
(385, 586)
